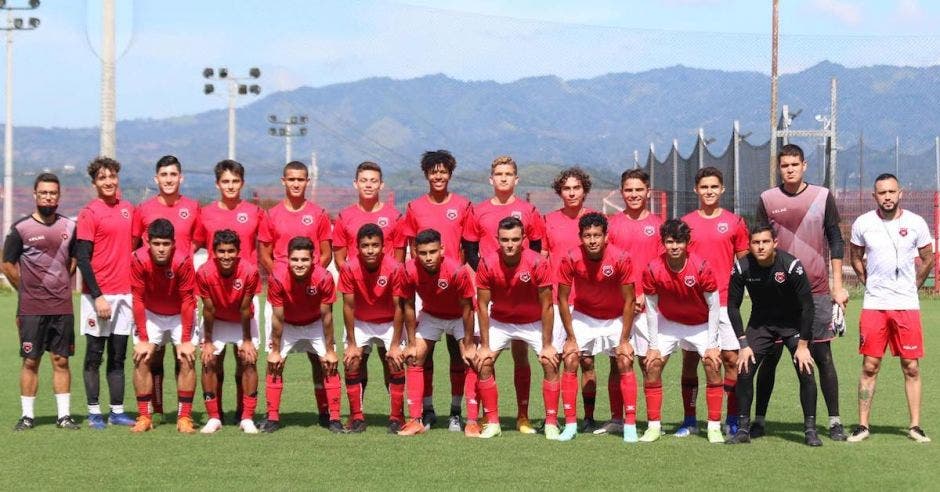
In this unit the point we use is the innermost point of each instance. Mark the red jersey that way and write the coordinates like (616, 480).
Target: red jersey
(440, 292)
(163, 289)
(639, 238)
(109, 228)
(349, 221)
(282, 225)
(184, 214)
(598, 281)
(301, 299)
(227, 293)
(483, 223)
(716, 240)
(446, 218)
(562, 234)
(514, 291)
(681, 294)
(246, 220)
(373, 291)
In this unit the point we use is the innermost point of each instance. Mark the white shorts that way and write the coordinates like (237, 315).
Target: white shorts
(726, 338)
(122, 316)
(433, 328)
(501, 334)
(672, 336)
(594, 335)
(366, 333)
(162, 329)
(226, 332)
(306, 338)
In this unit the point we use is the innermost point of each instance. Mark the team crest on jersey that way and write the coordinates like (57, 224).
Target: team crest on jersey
(780, 277)
(237, 284)
(27, 347)
(903, 231)
(311, 290)
(242, 217)
(169, 274)
(516, 214)
(451, 214)
(382, 222)
(91, 322)
(184, 213)
(799, 270)
(306, 220)
(689, 280)
(525, 276)
(382, 281)
(65, 236)
(125, 213)
(649, 230)
(607, 270)
(722, 227)
(442, 283)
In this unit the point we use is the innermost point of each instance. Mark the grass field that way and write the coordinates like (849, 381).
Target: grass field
(303, 456)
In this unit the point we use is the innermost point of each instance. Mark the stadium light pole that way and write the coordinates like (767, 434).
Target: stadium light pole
(13, 24)
(287, 128)
(235, 88)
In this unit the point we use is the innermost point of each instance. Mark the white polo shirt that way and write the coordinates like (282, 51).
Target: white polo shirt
(890, 249)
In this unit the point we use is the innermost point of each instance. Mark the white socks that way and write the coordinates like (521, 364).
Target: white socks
(28, 403)
(62, 404)
(117, 408)
(94, 409)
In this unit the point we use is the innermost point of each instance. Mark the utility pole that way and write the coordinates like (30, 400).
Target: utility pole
(235, 89)
(108, 137)
(775, 34)
(286, 129)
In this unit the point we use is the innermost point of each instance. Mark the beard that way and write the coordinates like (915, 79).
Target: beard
(47, 210)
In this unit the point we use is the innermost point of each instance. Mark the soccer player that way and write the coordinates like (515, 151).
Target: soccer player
(296, 216)
(480, 236)
(781, 308)
(682, 312)
(562, 235)
(518, 282)
(247, 220)
(301, 295)
(227, 285)
(446, 212)
(718, 237)
(183, 212)
(446, 290)
(103, 252)
(38, 261)
(601, 278)
(806, 222)
(634, 231)
(163, 285)
(372, 314)
(884, 244)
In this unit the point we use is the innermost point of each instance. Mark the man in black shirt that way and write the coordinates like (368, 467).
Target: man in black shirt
(782, 308)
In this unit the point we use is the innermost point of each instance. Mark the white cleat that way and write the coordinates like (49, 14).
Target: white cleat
(248, 426)
(211, 427)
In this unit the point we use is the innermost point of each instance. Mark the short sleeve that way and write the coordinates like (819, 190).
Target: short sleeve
(471, 230)
(407, 225)
(85, 229)
(566, 270)
(709, 284)
(13, 246)
(137, 224)
(397, 234)
(626, 270)
(328, 289)
(252, 280)
(275, 292)
(542, 273)
(266, 233)
(649, 283)
(741, 239)
(464, 284)
(535, 229)
(323, 227)
(483, 276)
(923, 234)
(199, 233)
(347, 280)
(340, 238)
(403, 287)
(202, 284)
(858, 235)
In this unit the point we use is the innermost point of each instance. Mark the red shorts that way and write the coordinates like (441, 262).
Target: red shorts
(899, 329)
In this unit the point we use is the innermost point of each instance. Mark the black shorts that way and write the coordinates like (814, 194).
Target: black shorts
(46, 333)
(762, 339)
(822, 321)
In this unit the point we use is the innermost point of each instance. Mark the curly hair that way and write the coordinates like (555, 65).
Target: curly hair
(572, 172)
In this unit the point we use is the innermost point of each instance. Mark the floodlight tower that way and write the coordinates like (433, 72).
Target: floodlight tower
(235, 88)
(287, 128)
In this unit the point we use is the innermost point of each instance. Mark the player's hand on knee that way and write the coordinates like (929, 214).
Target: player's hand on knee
(208, 354)
(639, 304)
(395, 357)
(143, 351)
(248, 352)
(102, 308)
(804, 360)
(329, 362)
(652, 358)
(469, 354)
(275, 361)
(570, 347)
(352, 355)
(186, 352)
(625, 352)
(745, 358)
(712, 356)
(549, 355)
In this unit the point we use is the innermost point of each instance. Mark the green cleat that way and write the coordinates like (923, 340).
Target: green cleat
(491, 430)
(715, 436)
(551, 432)
(570, 432)
(629, 433)
(652, 434)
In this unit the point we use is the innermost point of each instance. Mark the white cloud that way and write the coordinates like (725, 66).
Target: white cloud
(845, 12)
(909, 10)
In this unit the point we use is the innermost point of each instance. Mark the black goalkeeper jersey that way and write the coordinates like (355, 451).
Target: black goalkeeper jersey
(780, 294)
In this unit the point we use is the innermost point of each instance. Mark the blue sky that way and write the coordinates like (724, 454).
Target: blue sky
(164, 44)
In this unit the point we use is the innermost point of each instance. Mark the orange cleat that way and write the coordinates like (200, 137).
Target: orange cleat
(412, 428)
(185, 425)
(144, 423)
(472, 429)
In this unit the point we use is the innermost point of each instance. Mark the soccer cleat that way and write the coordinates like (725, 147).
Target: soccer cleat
(66, 422)
(121, 419)
(356, 426)
(731, 425)
(237, 416)
(394, 426)
(24, 423)
(589, 426)
(143, 424)
(523, 426)
(429, 418)
(629, 433)
(757, 430)
(336, 427)
(568, 433)
(212, 426)
(811, 438)
(184, 425)
(740, 437)
(491, 430)
(837, 432)
(689, 427)
(917, 434)
(552, 432)
(157, 418)
(859, 434)
(412, 428)
(652, 434)
(472, 429)
(610, 427)
(96, 421)
(453, 424)
(269, 426)
(248, 426)
(715, 436)
(323, 420)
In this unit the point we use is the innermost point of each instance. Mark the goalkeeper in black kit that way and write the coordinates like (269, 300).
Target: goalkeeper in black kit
(781, 310)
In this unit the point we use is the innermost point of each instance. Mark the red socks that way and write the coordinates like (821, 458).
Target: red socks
(569, 396)
(396, 392)
(713, 395)
(550, 393)
(332, 388)
(522, 380)
(415, 384)
(490, 396)
(732, 397)
(616, 397)
(654, 400)
(272, 389)
(470, 391)
(689, 395)
(212, 406)
(249, 403)
(186, 403)
(143, 404)
(354, 394)
(629, 395)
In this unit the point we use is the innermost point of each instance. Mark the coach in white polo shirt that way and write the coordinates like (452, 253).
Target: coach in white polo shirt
(885, 243)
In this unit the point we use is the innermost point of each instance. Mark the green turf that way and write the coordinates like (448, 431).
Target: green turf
(303, 456)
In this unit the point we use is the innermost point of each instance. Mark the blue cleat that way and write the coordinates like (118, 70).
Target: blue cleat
(569, 433)
(629, 433)
(96, 421)
(120, 419)
(689, 427)
(731, 425)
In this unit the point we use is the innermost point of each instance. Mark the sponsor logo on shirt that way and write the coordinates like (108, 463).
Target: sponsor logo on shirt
(689, 280)
(125, 213)
(517, 214)
(311, 290)
(33, 239)
(237, 284)
(382, 281)
(169, 274)
(607, 270)
(27, 347)
(722, 227)
(780, 277)
(525, 277)
(184, 213)
(382, 222)
(451, 214)
(242, 217)
(910, 347)
(306, 220)
(442, 283)
(903, 231)
(65, 236)
(649, 230)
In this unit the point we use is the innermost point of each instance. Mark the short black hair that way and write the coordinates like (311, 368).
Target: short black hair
(368, 166)
(676, 229)
(231, 166)
(762, 227)
(510, 223)
(295, 166)
(790, 150)
(300, 243)
(572, 172)
(427, 236)
(593, 219)
(166, 161)
(709, 171)
(370, 230)
(635, 174)
(432, 158)
(161, 229)
(100, 163)
(46, 178)
(226, 236)
(885, 177)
